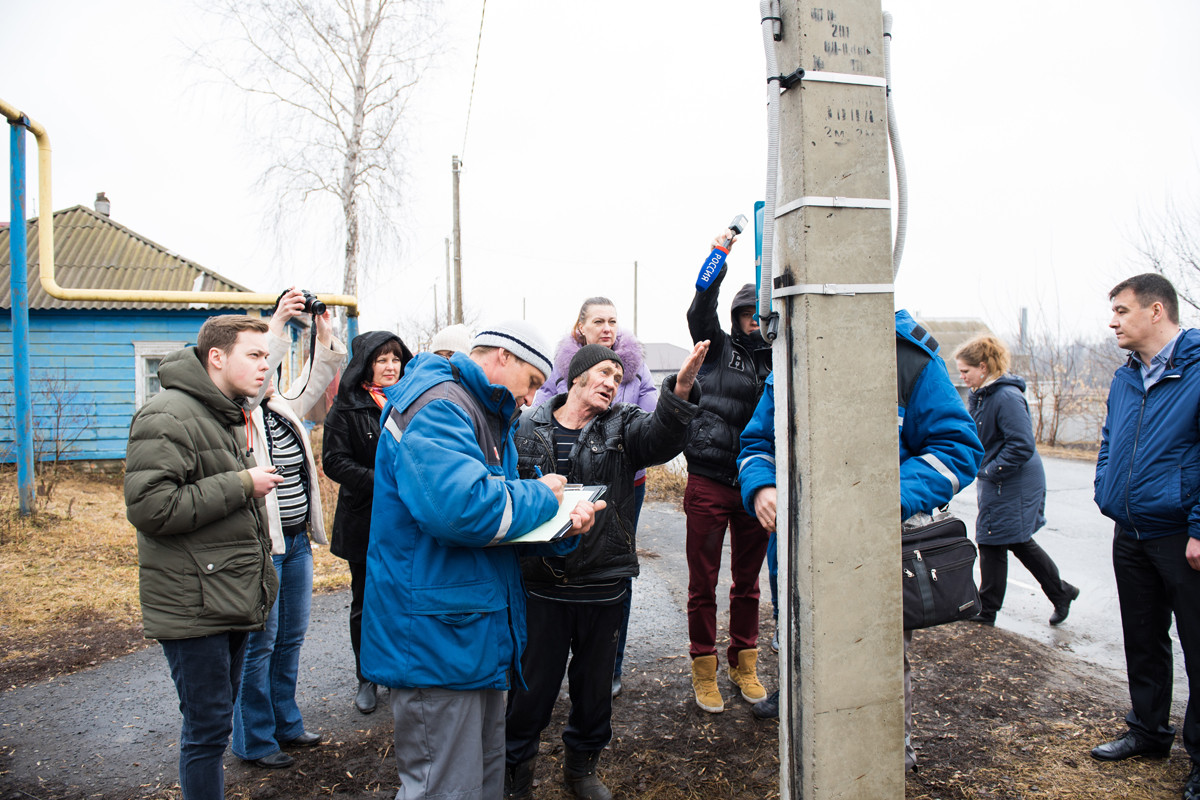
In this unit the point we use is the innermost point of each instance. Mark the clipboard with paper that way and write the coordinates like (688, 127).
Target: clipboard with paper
(560, 523)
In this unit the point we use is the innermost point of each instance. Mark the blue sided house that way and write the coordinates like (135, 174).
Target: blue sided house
(94, 363)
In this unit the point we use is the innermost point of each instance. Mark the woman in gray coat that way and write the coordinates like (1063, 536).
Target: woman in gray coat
(1011, 483)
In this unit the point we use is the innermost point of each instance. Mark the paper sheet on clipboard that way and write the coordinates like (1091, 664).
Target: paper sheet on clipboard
(560, 523)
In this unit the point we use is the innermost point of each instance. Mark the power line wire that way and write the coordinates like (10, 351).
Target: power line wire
(474, 72)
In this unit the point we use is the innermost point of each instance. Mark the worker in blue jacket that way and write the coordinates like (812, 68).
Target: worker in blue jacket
(444, 609)
(1148, 482)
(940, 453)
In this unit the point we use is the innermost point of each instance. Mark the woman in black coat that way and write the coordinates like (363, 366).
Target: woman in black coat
(348, 457)
(1011, 483)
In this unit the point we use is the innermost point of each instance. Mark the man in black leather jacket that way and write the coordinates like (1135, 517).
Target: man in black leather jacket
(574, 603)
(732, 377)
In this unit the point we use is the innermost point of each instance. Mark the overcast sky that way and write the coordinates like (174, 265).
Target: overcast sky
(608, 133)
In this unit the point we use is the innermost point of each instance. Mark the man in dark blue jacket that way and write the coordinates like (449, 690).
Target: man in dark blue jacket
(1147, 480)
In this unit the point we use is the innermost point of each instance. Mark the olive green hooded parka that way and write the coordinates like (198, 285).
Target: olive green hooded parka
(204, 551)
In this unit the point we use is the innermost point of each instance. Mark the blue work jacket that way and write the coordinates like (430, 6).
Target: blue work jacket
(444, 604)
(1148, 470)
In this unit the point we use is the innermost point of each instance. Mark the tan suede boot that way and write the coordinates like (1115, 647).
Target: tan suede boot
(745, 676)
(704, 682)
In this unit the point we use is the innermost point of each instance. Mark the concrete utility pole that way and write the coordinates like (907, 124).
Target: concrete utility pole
(456, 168)
(449, 284)
(842, 723)
(635, 299)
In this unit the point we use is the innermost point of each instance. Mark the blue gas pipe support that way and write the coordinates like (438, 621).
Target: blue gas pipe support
(18, 282)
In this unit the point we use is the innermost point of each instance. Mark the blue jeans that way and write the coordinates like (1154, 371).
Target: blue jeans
(206, 671)
(639, 496)
(266, 713)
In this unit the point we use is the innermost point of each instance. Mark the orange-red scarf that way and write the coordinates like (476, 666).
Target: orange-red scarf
(376, 392)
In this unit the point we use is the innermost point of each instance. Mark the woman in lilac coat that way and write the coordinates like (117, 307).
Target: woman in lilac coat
(597, 324)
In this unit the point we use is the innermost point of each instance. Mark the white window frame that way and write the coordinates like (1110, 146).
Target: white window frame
(142, 351)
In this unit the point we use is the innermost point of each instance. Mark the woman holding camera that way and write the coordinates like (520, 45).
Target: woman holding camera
(348, 455)
(1011, 483)
(265, 716)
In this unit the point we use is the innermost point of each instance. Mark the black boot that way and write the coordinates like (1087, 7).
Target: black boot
(579, 773)
(1062, 609)
(365, 700)
(518, 780)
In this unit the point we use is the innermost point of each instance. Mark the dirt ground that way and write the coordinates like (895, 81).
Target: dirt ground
(996, 717)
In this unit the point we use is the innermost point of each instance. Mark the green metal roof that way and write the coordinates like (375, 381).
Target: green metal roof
(93, 252)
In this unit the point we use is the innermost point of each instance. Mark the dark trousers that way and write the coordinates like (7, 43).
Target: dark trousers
(1154, 582)
(588, 633)
(711, 507)
(639, 497)
(993, 573)
(358, 586)
(207, 671)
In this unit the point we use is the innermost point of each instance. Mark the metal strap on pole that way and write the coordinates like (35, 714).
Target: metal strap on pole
(844, 289)
(846, 77)
(819, 201)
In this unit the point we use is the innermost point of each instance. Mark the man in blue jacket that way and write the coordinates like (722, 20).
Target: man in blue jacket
(940, 453)
(444, 609)
(1147, 480)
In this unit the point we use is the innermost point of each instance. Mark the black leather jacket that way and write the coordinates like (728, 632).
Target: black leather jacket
(610, 450)
(732, 378)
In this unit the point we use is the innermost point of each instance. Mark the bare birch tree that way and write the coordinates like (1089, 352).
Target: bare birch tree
(337, 76)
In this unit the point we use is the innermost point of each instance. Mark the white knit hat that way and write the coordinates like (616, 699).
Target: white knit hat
(519, 338)
(455, 338)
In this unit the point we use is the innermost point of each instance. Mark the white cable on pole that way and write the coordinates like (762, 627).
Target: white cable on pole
(772, 30)
(897, 151)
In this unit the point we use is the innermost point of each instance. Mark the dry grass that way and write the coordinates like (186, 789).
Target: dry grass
(76, 559)
(1081, 453)
(665, 484)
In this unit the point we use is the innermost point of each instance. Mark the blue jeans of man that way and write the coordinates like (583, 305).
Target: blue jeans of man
(206, 671)
(266, 714)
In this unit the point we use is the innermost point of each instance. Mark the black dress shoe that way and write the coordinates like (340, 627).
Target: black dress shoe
(305, 739)
(984, 619)
(1191, 789)
(1128, 746)
(1060, 611)
(277, 760)
(365, 700)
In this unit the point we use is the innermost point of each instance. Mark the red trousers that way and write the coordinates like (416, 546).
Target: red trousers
(711, 507)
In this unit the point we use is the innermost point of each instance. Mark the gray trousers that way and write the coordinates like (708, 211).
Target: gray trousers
(449, 744)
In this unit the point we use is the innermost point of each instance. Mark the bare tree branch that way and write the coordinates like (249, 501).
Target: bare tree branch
(335, 78)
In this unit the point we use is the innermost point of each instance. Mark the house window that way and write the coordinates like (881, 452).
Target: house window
(146, 358)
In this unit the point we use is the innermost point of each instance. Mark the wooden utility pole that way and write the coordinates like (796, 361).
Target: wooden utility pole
(456, 168)
(842, 716)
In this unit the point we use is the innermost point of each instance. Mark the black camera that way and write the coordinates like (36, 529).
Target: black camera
(312, 304)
